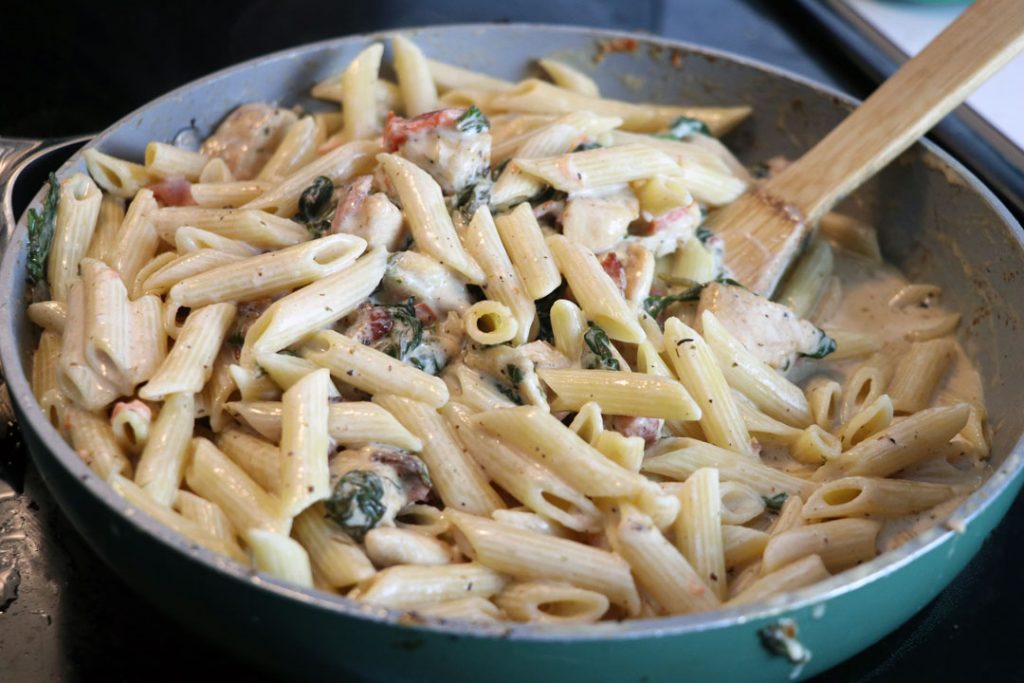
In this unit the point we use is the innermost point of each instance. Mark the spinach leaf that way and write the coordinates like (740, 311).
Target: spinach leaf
(473, 121)
(514, 373)
(826, 345)
(704, 234)
(601, 347)
(544, 332)
(586, 147)
(684, 127)
(775, 502)
(406, 330)
(357, 502)
(473, 197)
(314, 206)
(655, 304)
(40, 232)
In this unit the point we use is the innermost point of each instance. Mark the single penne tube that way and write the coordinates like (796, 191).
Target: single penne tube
(45, 361)
(249, 225)
(189, 363)
(901, 444)
(358, 93)
(187, 239)
(770, 391)
(216, 171)
(212, 475)
(531, 521)
(840, 543)
(49, 315)
(815, 446)
(388, 97)
(660, 569)
(764, 428)
(824, 400)
(535, 432)
(279, 556)
(851, 344)
(568, 326)
(530, 483)
(918, 373)
(174, 521)
(560, 136)
(388, 546)
(869, 381)
(504, 284)
(297, 148)
(530, 556)
(698, 528)
(551, 602)
(473, 610)
(412, 587)
(709, 179)
(805, 284)
(536, 96)
(108, 315)
(649, 360)
(428, 219)
(873, 497)
(75, 377)
(419, 93)
(625, 451)
(851, 235)
(524, 243)
(699, 372)
(228, 195)
(305, 477)
(259, 459)
(739, 503)
(339, 165)
(349, 423)
(313, 307)
(285, 370)
(95, 443)
(598, 296)
(373, 371)
(803, 572)
(168, 161)
(477, 392)
(208, 516)
(874, 417)
(167, 274)
(118, 177)
(219, 389)
(338, 560)
(790, 516)
(490, 323)
(693, 261)
(450, 77)
(620, 393)
(599, 167)
(683, 456)
(161, 466)
(270, 273)
(741, 544)
(78, 210)
(458, 478)
(108, 223)
(570, 78)
(137, 240)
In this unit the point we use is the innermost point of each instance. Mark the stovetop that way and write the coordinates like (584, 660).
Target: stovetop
(77, 67)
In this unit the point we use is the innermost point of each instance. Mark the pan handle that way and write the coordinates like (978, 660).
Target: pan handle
(32, 159)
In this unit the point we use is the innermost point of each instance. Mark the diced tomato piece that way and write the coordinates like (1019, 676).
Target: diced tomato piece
(613, 265)
(173, 192)
(371, 323)
(424, 313)
(397, 129)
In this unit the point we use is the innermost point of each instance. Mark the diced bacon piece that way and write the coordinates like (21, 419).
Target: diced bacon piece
(352, 199)
(647, 428)
(613, 265)
(173, 192)
(397, 129)
(425, 314)
(371, 323)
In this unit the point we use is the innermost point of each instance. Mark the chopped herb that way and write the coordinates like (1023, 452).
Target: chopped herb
(236, 339)
(514, 373)
(601, 347)
(586, 147)
(826, 345)
(775, 502)
(684, 127)
(704, 234)
(473, 197)
(544, 332)
(509, 392)
(40, 232)
(655, 305)
(546, 195)
(406, 330)
(314, 206)
(473, 121)
(357, 502)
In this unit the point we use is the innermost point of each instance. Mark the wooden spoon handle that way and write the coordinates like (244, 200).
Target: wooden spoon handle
(984, 38)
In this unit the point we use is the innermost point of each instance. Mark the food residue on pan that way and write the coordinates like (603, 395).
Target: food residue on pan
(605, 47)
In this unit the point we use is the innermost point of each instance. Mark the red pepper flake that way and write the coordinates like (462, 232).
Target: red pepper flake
(398, 129)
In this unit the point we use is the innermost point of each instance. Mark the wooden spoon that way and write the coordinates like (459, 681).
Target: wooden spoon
(765, 229)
